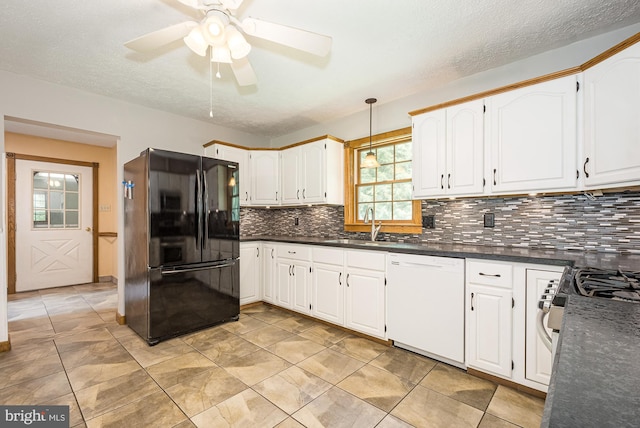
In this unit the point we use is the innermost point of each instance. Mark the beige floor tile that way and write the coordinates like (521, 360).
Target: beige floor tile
(267, 335)
(148, 356)
(295, 348)
(92, 374)
(246, 409)
(72, 340)
(27, 351)
(229, 349)
(205, 390)
(292, 388)
(255, 367)
(208, 338)
(426, 408)
(179, 369)
(271, 316)
(112, 394)
(376, 386)
(392, 422)
(37, 390)
(289, 423)
(490, 421)
(104, 352)
(459, 385)
(87, 322)
(325, 335)
(155, 410)
(260, 307)
(330, 365)
(360, 348)
(516, 407)
(33, 311)
(185, 424)
(244, 325)
(296, 324)
(338, 409)
(21, 371)
(75, 416)
(404, 364)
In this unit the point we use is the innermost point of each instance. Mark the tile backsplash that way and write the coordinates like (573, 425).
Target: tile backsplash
(609, 223)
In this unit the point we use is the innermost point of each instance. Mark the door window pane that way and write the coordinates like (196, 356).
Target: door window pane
(56, 200)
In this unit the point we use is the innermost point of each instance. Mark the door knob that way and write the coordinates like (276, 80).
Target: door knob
(88, 229)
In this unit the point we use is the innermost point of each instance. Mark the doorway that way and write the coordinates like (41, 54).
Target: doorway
(52, 212)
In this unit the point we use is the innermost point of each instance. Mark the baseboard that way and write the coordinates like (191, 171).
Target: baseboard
(108, 278)
(121, 319)
(505, 382)
(5, 346)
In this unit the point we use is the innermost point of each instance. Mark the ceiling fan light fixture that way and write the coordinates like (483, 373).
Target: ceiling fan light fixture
(196, 42)
(220, 54)
(237, 43)
(214, 30)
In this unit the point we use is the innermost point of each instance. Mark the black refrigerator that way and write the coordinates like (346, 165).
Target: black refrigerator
(181, 239)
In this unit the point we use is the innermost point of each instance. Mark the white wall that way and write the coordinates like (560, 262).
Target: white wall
(137, 128)
(389, 115)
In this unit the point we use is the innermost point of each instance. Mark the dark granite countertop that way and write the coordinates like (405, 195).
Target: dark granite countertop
(511, 254)
(596, 375)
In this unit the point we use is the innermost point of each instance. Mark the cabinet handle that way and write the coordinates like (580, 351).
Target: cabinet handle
(257, 251)
(494, 176)
(298, 194)
(293, 270)
(497, 275)
(442, 181)
(448, 181)
(290, 270)
(303, 194)
(276, 196)
(347, 280)
(246, 196)
(584, 168)
(471, 301)
(291, 252)
(272, 253)
(340, 279)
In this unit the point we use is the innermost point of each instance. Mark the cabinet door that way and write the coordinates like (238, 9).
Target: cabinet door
(266, 182)
(465, 149)
(249, 273)
(532, 137)
(429, 154)
(301, 286)
(365, 301)
(241, 156)
(612, 120)
(268, 273)
(328, 293)
(538, 358)
(313, 172)
(290, 171)
(284, 272)
(489, 317)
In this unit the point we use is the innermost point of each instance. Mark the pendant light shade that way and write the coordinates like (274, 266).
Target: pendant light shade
(370, 160)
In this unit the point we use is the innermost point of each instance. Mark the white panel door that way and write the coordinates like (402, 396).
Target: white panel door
(54, 221)
(249, 272)
(265, 176)
(465, 148)
(328, 293)
(365, 301)
(289, 174)
(301, 286)
(313, 172)
(429, 154)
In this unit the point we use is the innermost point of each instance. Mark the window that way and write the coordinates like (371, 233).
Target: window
(387, 189)
(56, 200)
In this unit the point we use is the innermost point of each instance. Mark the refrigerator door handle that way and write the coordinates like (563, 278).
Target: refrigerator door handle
(199, 268)
(198, 210)
(205, 196)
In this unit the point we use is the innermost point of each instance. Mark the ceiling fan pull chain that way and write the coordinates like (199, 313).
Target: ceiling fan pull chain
(211, 83)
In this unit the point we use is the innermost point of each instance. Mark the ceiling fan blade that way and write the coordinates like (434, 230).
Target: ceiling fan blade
(306, 41)
(242, 70)
(192, 3)
(159, 38)
(231, 5)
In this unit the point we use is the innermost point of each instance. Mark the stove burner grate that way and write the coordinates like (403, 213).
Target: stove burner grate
(612, 284)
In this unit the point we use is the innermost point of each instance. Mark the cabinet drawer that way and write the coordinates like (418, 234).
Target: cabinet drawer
(497, 274)
(329, 256)
(374, 260)
(294, 252)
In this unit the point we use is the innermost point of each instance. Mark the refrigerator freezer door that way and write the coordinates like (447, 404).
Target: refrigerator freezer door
(175, 192)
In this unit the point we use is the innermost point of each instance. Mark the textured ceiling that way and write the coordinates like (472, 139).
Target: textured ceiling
(383, 49)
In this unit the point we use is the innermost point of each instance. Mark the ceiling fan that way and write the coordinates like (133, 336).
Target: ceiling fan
(220, 34)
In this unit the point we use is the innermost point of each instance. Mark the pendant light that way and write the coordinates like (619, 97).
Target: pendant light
(370, 160)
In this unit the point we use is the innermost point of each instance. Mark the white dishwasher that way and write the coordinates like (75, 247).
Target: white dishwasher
(425, 305)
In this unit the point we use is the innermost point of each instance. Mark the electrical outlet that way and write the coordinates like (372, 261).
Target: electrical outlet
(296, 222)
(429, 221)
(489, 220)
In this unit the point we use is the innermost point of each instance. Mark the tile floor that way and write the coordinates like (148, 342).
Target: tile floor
(271, 368)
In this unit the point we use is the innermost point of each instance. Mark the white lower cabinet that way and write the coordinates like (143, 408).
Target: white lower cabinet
(269, 272)
(293, 277)
(250, 278)
(365, 295)
(328, 284)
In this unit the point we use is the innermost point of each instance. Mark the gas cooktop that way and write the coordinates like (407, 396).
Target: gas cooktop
(608, 283)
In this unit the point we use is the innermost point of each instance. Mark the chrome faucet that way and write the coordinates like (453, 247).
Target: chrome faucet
(374, 230)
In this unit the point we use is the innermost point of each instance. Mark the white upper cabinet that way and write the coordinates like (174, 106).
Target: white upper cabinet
(241, 156)
(312, 173)
(612, 121)
(265, 177)
(531, 134)
(448, 151)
